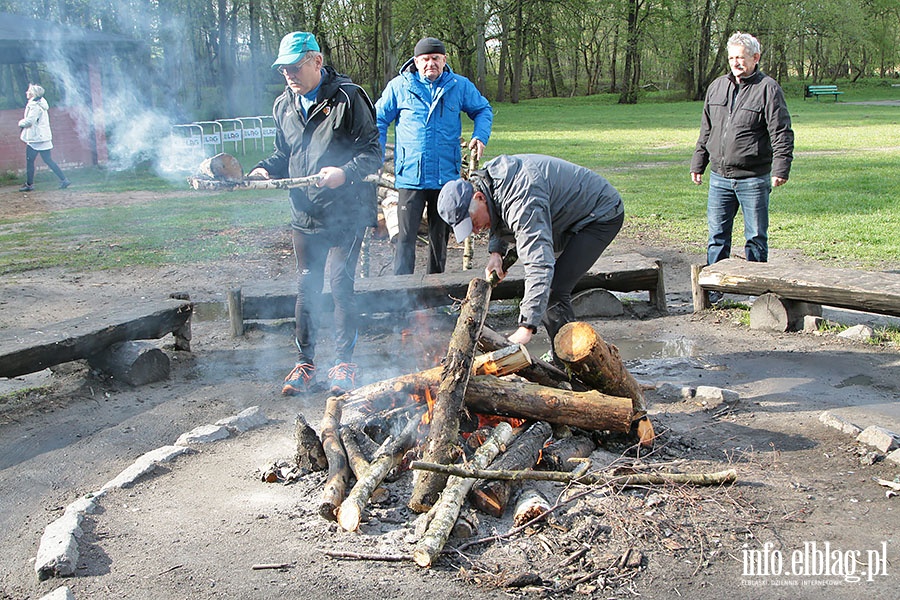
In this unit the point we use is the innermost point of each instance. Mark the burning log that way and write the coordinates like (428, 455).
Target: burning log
(596, 362)
(338, 469)
(540, 371)
(530, 505)
(492, 496)
(503, 361)
(556, 456)
(349, 513)
(444, 429)
(309, 455)
(448, 505)
(590, 410)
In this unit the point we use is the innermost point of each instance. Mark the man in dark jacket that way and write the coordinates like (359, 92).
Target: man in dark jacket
(747, 141)
(560, 216)
(425, 102)
(325, 127)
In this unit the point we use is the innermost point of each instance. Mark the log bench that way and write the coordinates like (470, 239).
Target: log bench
(814, 91)
(866, 291)
(34, 349)
(401, 293)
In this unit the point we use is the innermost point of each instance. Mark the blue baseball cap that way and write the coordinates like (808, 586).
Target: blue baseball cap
(293, 47)
(453, 207)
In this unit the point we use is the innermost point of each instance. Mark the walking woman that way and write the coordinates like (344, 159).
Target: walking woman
(37, 137)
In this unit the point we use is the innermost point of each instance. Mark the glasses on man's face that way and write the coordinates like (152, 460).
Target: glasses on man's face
(293, 69)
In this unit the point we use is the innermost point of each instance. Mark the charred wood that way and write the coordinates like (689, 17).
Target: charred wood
(492, 496)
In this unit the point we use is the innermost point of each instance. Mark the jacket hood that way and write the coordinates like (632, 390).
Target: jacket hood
(40, 102)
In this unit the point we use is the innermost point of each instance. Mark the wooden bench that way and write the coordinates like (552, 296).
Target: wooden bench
(814, 91)
(401, 293)
(866, 291)
(30, 350)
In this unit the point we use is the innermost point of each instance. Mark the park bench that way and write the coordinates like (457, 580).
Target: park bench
(812, 284)
(31, 350)
(814, 91)
(400, 293)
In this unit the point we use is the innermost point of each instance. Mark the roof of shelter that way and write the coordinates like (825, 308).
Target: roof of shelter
(23, 39)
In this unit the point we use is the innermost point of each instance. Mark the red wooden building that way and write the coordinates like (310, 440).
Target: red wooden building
(79, 136)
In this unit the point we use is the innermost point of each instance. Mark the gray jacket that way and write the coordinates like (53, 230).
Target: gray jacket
(538, 203)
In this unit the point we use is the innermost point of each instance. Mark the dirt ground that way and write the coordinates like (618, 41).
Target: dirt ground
(805, 493)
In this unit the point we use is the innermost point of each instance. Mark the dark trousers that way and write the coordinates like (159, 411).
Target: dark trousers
(31, 155)
(579, 255)
(341, 254)
(410, 206)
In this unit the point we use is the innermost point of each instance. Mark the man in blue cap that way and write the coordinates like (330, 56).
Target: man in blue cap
(425, 102)
(560, 216)
(325, 126)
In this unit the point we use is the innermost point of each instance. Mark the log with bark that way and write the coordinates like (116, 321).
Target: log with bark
(596, 362)
(355, 454)
(457, 369)
(629, 480)
(338, 468)
(349, 513)
(491, 496)
(454, 493)
(590, 410)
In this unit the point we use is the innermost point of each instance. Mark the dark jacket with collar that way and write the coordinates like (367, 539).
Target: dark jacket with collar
(338, 131)
(745, 130)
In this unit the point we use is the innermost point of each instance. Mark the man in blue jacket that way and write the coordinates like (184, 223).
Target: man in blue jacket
(425, 101)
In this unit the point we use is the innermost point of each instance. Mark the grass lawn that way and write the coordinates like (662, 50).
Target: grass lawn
(840, 206)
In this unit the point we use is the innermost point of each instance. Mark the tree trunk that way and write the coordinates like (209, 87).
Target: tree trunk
(444, 429)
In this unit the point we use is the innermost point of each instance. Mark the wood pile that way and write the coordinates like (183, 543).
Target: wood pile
(479, 431)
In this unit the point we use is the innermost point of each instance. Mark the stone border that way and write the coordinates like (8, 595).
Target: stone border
(57, 554)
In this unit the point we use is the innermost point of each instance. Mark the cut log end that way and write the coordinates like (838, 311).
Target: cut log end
(422, 558)
(349, 516)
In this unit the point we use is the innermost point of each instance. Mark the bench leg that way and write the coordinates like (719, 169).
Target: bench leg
(658, 295)
(698, 294)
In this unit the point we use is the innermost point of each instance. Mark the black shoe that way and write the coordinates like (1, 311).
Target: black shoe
(715, 297)
(64, 184)
(26, 188)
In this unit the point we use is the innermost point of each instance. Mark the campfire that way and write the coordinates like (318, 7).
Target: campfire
(477, 431)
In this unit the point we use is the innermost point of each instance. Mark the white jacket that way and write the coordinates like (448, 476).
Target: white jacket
(36, 123)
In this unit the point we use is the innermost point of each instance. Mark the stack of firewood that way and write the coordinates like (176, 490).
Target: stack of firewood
(477, 427)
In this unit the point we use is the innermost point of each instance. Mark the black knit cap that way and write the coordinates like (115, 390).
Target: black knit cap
(429, 45)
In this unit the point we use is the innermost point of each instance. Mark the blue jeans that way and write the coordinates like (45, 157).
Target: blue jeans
(751, 194)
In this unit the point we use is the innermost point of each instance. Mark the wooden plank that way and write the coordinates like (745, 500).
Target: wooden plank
(29, 350)
(399, 293)
(867, 291)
